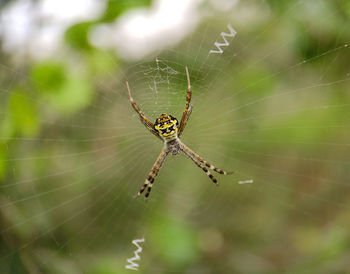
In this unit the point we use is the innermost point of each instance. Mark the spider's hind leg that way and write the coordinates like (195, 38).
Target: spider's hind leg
(153, 173)
(149, 181)
(204, 162)
(201, 166)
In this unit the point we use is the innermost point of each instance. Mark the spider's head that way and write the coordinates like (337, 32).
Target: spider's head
(166, 126)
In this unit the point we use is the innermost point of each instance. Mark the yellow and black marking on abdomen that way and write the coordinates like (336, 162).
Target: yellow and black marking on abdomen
(166, 126)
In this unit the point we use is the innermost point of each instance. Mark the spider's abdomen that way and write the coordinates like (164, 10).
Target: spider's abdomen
(166, 126)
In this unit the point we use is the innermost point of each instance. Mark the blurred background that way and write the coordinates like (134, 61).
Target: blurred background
(272, 104)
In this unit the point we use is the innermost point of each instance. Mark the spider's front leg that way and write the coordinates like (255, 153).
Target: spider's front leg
(153, 173)
(144, 120)
(188, 109)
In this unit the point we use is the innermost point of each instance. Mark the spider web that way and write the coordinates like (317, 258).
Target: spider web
(283, 127)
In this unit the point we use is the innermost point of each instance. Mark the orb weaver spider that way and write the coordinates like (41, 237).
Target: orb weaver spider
(168, 129)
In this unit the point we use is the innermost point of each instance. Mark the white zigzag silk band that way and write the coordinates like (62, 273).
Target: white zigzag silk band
(246, 182)
(132, 265)
(226, 43)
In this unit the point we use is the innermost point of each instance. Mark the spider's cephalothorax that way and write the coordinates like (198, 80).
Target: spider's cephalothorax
(167, 127)
(169, 130)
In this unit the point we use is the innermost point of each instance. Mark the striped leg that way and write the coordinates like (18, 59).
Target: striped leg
(186, 119)
(144, 120)
(187, 112)
(153, 173)
(200, 166)
(200, 159)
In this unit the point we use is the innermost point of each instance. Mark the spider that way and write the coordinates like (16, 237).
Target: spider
(168, 129)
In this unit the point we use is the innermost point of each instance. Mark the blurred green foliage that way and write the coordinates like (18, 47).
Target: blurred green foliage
(22, 114)
(176, 237)
(66, 90)
(116, 8)
(277, 112)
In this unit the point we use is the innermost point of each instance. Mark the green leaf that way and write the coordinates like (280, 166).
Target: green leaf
(175, 241)
(65, 90)
(23, 113)
(74, 95)
(77, 36)
(116, 8)
(48, 76)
